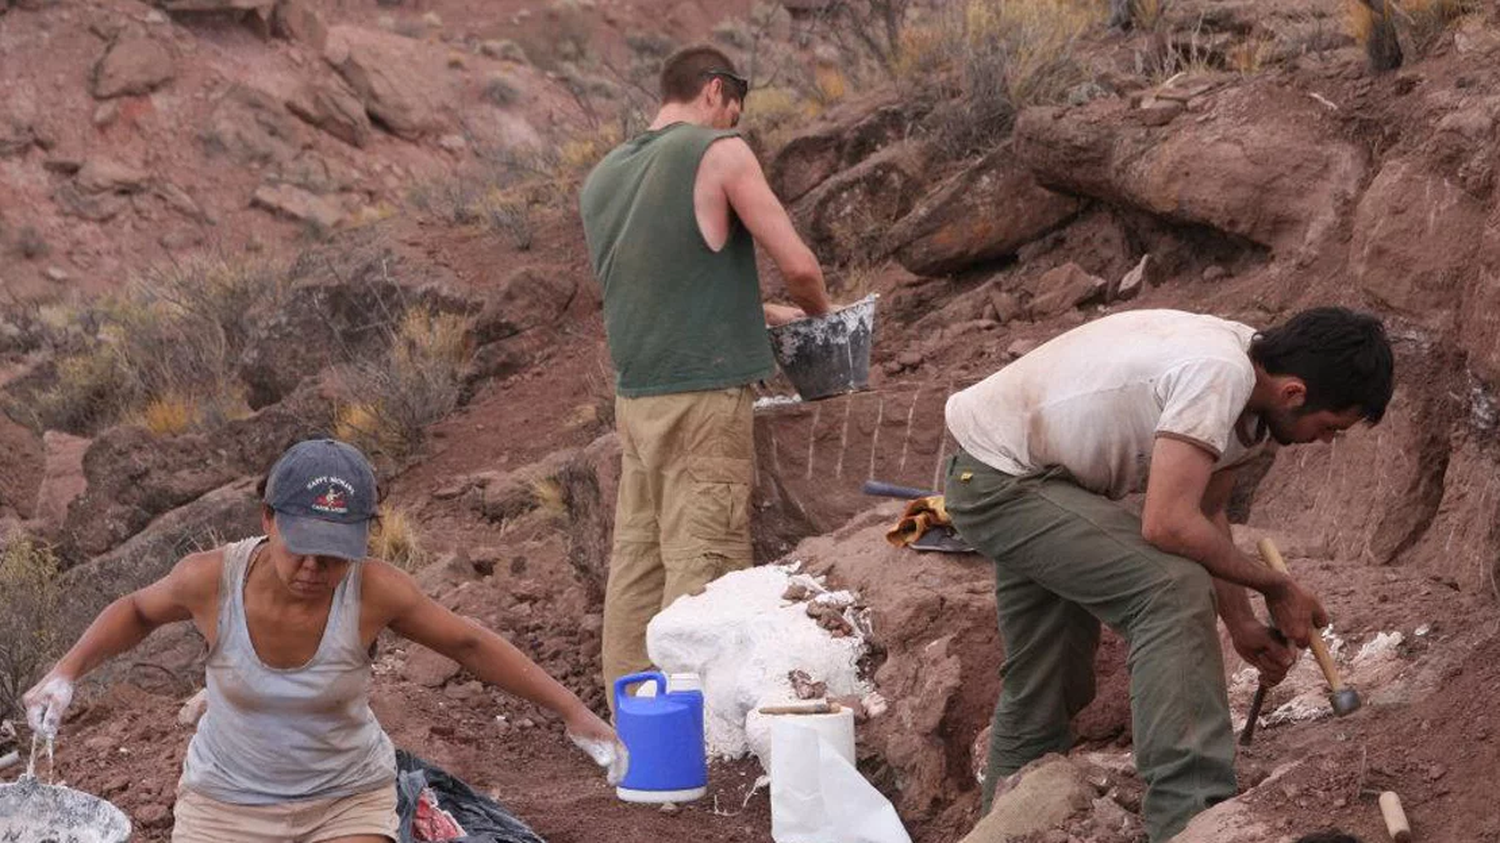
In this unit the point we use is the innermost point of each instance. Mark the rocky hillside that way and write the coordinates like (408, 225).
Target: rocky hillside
(997, 180)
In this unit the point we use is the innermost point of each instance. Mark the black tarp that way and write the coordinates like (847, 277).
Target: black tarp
(482, 818)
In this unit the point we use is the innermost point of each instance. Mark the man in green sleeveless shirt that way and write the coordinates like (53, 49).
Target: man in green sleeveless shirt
(672, 218)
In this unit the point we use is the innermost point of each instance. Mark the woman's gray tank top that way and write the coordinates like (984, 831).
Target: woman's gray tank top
(277, 735)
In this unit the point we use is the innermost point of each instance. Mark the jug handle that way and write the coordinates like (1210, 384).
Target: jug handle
(648, 676)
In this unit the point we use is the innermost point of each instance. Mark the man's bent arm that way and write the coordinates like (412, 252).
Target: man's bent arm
(1173, 520)
(1233, 599)
(758, 208)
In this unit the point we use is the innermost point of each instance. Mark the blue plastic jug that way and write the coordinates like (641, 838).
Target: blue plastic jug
(664, 734)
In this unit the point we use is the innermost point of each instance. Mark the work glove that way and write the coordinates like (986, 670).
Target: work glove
(600, 743)
(46, 703)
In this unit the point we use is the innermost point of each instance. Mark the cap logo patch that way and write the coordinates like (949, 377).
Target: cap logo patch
(335, 496)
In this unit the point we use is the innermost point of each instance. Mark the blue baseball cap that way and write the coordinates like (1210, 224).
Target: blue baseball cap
(323, 494)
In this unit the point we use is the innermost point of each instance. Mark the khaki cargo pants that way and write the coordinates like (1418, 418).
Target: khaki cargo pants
(1065, 561)
(682, 517)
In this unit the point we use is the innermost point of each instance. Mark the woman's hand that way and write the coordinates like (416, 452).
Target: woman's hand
(46, 703)
(599, 741)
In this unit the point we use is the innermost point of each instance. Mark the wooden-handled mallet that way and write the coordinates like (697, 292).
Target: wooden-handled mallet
(1395, 818)
(1345, 700)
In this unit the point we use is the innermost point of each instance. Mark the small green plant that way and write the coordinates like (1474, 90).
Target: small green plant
(30, 629)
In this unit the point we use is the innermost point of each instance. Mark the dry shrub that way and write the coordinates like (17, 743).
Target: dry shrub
(394, 539)
(1429, 19)
(1250, 55)
(418, 382)
(91, 390)
(31, 601)
(509, 213)
(997, 56)
(174, 335)
(1149, 14)
(774, 115)
(1034, 44)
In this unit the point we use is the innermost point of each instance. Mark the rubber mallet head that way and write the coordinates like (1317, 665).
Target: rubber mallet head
(1344, 700)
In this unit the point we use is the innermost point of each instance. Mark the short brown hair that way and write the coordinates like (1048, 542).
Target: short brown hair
(686, 71)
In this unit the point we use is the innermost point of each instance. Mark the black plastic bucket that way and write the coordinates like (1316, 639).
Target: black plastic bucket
(828, 355)
(32, 812)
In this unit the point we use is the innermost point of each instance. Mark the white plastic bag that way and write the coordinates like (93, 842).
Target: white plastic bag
(817, 794)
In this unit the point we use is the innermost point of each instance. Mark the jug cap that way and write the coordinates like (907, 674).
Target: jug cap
(684, 682)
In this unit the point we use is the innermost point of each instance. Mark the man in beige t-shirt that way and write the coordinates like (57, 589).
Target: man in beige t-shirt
(1169, 403)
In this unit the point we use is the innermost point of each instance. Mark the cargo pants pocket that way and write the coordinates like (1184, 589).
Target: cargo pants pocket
(718, 506)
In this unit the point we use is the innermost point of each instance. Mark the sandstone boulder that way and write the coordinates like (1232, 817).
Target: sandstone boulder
(1415, 237)
(134, 477)
(1044, 796)
(22, 467)
(229, 512)
(401, 84)
(530, 297)
(250, 126)
(193, 710)
(847, 215)
(106, 175)
(100, 190)
(985, 212)
(63, 479)
(1064, 288)
(1276, 171)
(590, 480)
(804, 163)
(131, 66)
(840, 143)
(294, 203)
(298, 20)
(331, 106)
(427, 668)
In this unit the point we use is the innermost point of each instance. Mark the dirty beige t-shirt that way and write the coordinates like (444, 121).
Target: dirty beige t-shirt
(1094, 399)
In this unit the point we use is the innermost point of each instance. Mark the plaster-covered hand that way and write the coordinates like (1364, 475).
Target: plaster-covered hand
(46, 703)
(599, 741)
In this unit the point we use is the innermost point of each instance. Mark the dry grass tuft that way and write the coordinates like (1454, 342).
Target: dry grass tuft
(394, 539)
(169, 415)
(550, 497)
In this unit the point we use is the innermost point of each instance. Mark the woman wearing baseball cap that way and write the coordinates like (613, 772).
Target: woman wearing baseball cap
(289, 749)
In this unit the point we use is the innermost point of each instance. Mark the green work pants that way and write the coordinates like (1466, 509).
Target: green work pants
(1065, 560)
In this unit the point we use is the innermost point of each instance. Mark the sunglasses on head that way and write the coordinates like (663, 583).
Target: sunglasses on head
(740, 85)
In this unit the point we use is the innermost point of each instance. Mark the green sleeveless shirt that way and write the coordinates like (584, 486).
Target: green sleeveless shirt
(679, 316)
